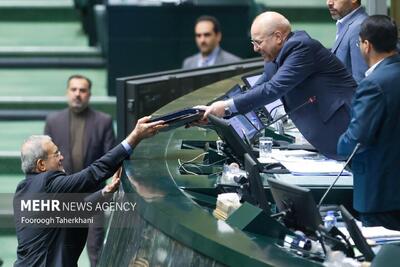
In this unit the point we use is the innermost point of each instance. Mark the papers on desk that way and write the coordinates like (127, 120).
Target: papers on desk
(302, 162)
(375, 235)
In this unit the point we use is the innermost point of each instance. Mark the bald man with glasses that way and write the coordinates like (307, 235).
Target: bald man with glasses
(296, 69)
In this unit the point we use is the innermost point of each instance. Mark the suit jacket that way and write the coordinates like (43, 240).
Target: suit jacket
(374, 124)
(345, 47)
(59, 246)
(223, 57)
(302, 69)
(99, 135)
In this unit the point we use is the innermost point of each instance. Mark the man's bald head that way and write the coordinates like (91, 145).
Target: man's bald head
(269, 32)
(272, 21)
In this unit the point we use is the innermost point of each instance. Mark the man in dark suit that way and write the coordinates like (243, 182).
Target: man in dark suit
(297, 68)
(42, 162)
(349, 15)
(208, 37)
(83, 135)
(375, 125)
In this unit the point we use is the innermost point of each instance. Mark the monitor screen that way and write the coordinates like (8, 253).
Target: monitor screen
(272, 107)
(355, 234)
(240, 124)
(243, 128)
(235, 144)
(250, 80)
(298, 202)
(257, 193)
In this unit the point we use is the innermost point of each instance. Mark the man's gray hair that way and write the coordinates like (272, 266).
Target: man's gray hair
(31, 151)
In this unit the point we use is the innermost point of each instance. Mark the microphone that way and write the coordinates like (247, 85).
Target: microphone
(340, 173)
(311, 100)
(273, 109)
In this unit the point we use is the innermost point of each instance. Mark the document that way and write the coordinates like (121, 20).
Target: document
(302, 162)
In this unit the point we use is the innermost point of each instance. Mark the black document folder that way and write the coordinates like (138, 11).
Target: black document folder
(179, 118)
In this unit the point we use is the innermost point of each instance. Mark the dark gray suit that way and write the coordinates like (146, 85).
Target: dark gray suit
(99, 138)
(223, 57)
(99, 135)
(59, 246)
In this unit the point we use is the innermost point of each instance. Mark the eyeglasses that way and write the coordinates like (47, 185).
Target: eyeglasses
(258, 43)
(359, 42)
(56, 155)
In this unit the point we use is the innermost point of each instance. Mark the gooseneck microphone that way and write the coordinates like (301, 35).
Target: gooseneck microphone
(311, 100)
(340, 173)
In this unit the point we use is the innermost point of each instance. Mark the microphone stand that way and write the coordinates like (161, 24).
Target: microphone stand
(309, 101)
(340, 173)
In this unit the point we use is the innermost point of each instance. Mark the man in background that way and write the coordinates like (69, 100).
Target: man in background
(374, 125)
(208, 37)
(348, 15)
(83, 135)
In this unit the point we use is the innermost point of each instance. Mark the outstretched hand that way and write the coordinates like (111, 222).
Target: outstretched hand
(144, 129)
(216, 108)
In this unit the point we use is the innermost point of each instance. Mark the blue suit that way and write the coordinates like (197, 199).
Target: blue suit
(302, 69)
(345, 47)
(374, 124)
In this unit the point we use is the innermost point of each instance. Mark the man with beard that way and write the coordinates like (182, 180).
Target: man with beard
(349, 14)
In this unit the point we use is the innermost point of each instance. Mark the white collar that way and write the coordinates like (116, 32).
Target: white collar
(373, 67)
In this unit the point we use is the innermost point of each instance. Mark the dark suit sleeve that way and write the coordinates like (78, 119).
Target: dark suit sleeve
(88, 180)
(368, 111)
(298, 66)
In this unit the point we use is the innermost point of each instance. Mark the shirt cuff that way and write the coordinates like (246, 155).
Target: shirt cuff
(127, 147)
(231, 105)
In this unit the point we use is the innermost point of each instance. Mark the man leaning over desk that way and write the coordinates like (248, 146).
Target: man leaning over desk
(296, 69)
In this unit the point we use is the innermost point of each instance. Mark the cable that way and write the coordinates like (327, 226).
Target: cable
(211, 164)
(198, 156)
(299, 249)
(183, 168)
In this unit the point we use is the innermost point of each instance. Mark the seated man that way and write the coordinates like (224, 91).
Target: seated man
(374, 124)
(208, 36)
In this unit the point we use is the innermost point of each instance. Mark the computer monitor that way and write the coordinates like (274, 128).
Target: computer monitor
(271, 108)
(251, 116)
(244, 128)
(356, 235)
(228, 134)
(251, 79)
(299, 204)
(257, 193)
